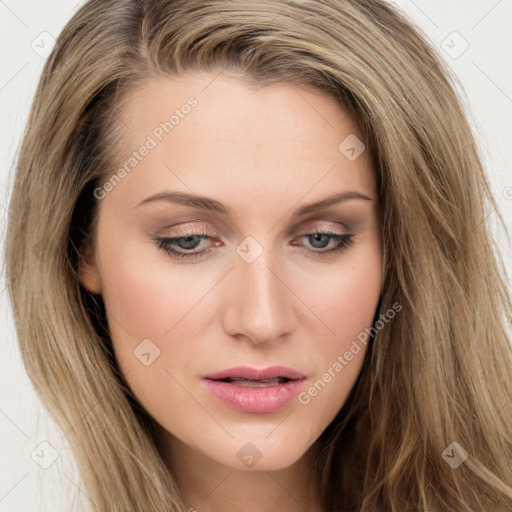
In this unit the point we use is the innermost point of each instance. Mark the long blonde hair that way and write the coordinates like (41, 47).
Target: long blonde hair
(439, 373)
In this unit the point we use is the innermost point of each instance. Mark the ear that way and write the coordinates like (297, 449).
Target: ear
(88, 270)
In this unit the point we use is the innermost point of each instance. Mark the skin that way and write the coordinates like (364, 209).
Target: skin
(263, 152)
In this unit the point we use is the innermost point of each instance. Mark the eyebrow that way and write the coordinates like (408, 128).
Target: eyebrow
(206, 203)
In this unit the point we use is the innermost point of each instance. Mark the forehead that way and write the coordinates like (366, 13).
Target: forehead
(277, 111)
(206, 131)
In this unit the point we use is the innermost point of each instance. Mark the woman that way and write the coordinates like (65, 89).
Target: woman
(260, 283)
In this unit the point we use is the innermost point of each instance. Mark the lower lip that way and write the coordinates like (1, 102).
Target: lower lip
(255, 400)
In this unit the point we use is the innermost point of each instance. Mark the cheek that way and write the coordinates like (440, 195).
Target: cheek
(346, 306)
(146, 293)
(345, 298)
(154, 315)
(148, 304)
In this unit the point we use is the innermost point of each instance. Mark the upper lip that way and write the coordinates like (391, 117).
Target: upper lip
(247, 372)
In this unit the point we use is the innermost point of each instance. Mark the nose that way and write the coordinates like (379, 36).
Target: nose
(261, 303)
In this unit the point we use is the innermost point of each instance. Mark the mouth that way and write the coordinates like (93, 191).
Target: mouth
(254, 383)
(252, 390)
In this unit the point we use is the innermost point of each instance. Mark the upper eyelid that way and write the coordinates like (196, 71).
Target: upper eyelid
(205, 228)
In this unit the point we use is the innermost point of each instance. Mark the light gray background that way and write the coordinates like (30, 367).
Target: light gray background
(26, 32)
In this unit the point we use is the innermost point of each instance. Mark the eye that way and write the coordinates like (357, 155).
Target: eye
(186, 243)
(321, 240)
(184, 246)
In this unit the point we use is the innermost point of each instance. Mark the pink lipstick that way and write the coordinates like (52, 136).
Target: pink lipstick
(255, 390)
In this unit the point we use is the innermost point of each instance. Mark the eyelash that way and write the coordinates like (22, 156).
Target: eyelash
(165, 243)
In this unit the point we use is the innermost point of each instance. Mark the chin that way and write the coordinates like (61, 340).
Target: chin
(259, 451)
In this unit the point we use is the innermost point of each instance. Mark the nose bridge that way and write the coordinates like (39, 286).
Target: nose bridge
(260, 306)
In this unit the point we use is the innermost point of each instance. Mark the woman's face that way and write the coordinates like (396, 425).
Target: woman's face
(234, 303)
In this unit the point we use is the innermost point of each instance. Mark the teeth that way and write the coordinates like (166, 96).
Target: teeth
(261, 383)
